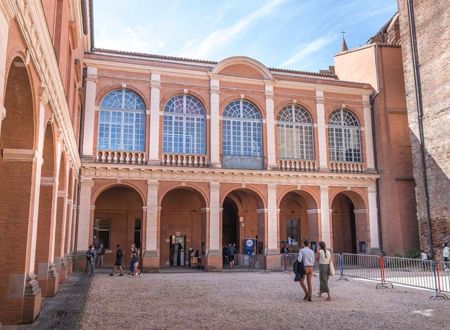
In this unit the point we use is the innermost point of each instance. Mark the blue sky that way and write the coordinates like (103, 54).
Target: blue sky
(291, 34)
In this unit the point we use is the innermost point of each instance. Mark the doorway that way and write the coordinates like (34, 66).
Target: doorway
(177, 248)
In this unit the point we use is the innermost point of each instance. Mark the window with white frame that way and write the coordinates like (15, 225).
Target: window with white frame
(295, 133)
(184, 128)
(242, 129)
(121, 121)
(344, 137)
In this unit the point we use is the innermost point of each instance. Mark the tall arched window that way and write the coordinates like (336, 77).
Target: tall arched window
(184, 129)
(344, 137)
(121, 121)
(242, 135)
(295, 133)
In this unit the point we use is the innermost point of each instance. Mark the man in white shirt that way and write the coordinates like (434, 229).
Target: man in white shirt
(307, 256)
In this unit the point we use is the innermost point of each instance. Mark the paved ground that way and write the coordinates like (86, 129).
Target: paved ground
(231, 300)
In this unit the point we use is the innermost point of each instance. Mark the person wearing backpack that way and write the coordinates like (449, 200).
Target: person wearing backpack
(118, 262)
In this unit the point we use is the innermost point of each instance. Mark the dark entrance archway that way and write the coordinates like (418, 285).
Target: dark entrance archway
(350, 223)
(183, 228)
(118, 220)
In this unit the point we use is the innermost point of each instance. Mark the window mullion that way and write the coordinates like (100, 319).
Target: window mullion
(172, 117)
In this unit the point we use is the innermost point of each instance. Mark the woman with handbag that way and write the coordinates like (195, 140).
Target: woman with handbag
(325, 269)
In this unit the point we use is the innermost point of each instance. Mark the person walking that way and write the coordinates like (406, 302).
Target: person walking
(91, 256)
(307, 256)
(324, 258)
(132, 257)
(231, 253)
(446, 255)
(100, 255)
(136, 269)
(118, 261)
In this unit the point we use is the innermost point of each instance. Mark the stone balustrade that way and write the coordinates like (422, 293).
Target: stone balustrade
(185, 160)
(347, 167)
(297, 165)
(121, 157)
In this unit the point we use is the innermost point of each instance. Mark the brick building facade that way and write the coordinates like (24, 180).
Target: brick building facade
(424, 28)
(172, 153)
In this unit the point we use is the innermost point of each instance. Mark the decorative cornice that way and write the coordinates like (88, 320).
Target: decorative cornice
(243, 177)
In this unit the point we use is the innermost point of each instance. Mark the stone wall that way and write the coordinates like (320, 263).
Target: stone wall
(432, 19)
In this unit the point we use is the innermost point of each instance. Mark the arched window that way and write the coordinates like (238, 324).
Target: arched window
(242, 129)
(121, 121)
(184, 130)
(344, 137)
(295, 133)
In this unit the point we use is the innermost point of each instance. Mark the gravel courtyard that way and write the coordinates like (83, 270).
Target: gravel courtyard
(240, 300)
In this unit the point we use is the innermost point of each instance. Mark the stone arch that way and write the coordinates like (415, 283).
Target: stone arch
(118, 219)
(261, 200)
(172, 93)
(244, 216)
(17, 172)
(349, 222)
(245, 61)
(250, 98)
(189, 186)
(298, 218)
(48, 195)
(106, 90)
(110, 185)
(285, 103)
(183, 225)
(61, 217)
(350, 109)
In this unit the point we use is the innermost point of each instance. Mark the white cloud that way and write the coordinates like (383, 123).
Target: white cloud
(220, 37)
(307, 50)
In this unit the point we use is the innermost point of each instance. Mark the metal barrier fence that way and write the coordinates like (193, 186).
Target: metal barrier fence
(387, 271)
(249, 261)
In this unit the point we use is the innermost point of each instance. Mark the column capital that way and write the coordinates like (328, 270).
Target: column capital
(214, 185)
(262, 211)
(93, 207)
(361, 211)
(86, 182)
(62, 193)
(313, 211)
(155, 76)
(48, 181)
(272, 186)
(152, 183)
(324, 188)
(155, 84)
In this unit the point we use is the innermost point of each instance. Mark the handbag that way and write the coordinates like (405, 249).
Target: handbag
(332, 270)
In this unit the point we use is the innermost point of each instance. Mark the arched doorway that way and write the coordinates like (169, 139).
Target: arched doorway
(182, 227)
(118, 220)
(244, 220)
(349, 224)
(299, 220)
(45, 244)
(17, 140)
(230, 223)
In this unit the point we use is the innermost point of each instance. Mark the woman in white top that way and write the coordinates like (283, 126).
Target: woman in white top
(324, 259)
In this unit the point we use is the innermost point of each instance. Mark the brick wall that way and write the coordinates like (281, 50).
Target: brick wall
(432, 19)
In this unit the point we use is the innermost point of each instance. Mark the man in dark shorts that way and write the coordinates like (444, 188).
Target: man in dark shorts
(231, 253)
(118, 262)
